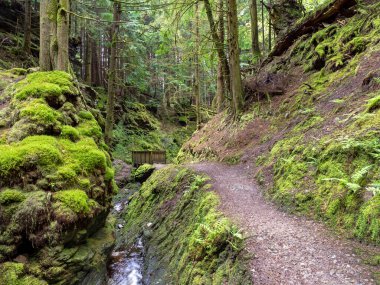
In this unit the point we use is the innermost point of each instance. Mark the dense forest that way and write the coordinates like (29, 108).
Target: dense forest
(189, 142)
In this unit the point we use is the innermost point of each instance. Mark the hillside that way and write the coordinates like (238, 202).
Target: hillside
(310, 130)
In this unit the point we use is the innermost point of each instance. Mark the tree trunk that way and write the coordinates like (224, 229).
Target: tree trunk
(270, 31)
(63, 21)
(220, 84)
(28, 26)
(44, 60)
(233, 46)
(52, 15)
(263, 24)
(95, 63)
(197, 93)
(112, 72)
(88, 59)
(219, 45)
(307, 25)
(254, 31)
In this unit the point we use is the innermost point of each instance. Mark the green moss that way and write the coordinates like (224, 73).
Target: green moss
(84, 183)
(76, 200)
(71, 133)
(39, 112)
(45, 85)
(90, 128)
(194, 242)
(143, 172)
(67, 172)
(35, 90)
(109, 175)
(18, 71)
(54, 188)
(12, 273)
(9, 196)
(41, 151)
(368, 223)
(86, 115)
(373, 103)
(85, 153)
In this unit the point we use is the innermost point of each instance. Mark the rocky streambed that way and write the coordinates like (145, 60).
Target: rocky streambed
(126, 261)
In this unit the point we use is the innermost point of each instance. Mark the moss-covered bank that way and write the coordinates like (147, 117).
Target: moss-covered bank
(188, 241)
(56, 182)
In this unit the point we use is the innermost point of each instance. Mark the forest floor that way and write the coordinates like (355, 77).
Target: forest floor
(286, 249)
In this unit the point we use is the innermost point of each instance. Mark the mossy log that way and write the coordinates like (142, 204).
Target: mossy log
(309, 24)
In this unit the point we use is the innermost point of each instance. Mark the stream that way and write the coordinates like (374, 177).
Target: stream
(127, 264)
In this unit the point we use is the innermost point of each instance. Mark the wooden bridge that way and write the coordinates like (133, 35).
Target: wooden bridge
(148, 156)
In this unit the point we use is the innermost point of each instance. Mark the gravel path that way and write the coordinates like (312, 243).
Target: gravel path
(287, 249)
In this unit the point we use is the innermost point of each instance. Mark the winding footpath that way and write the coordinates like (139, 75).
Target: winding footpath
(287, 249)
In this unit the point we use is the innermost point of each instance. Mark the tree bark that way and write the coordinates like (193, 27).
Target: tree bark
(28, 26)
(52, 15)
(63, 21)
(220, 83)
(219, 45)
(112, 73)
(270, 31)
(233, 45)
(44, 60)
(254, 31)
(196, 88)
(263, 24)
(88, 59)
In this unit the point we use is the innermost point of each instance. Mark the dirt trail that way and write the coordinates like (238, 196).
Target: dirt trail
(287, 249)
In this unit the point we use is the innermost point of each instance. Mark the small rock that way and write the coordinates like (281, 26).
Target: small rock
(21, 259)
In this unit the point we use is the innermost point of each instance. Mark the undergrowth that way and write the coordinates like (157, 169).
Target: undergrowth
(195, 243)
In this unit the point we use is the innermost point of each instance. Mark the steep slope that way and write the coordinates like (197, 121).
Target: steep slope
(310, 134)
(56, 182)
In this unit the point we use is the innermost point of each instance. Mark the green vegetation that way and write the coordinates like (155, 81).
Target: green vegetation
(40, 112)
(12, 273)
(194, 242)
(56, 182)
(76, 200)
(335, 46)
(9, 196)
(140, 130)
(45, 85)
(323, 136)
(143, 172)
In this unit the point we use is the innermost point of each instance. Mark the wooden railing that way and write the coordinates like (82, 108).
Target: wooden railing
(147, 156)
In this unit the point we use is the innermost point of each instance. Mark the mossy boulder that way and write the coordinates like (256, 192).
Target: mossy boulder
(56, 179)
(143, 172)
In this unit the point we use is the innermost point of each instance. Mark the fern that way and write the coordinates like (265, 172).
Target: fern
(359, 175)
(374, 188)
(353, 184)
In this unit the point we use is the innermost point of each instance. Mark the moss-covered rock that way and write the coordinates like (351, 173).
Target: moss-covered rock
(56, 181)
(143, 172)
(188, 241)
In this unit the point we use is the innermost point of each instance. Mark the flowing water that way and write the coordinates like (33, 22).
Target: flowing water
(126, 268)
(126, 264)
